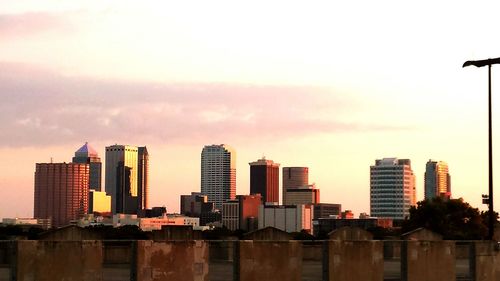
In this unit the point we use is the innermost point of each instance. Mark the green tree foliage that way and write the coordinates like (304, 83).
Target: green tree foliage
(453, 218)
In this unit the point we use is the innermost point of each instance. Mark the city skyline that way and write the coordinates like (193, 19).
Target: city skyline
(329, 86)
(216, 158)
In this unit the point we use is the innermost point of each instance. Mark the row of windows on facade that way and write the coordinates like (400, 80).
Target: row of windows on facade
(389, 176)
(393, 171)
(389, 204)
(389, 196)
(390, 191)
(121, 149)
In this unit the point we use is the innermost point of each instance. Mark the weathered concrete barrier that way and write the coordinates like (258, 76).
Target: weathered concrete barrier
(429, 260)
(266, 260)
(61, 260)
(356, 260)
(172, 260)
(335, 260)
(487, 261)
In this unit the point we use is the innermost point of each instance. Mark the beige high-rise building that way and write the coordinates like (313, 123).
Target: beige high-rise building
(218, 174)
(437, 180)
(294, 177)
(392, 188)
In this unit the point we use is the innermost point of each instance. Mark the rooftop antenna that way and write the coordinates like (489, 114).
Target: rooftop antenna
(51, 160)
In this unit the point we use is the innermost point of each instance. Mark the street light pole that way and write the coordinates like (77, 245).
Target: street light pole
(491, 217)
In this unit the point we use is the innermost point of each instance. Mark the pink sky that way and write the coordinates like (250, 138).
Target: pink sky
(331, 86)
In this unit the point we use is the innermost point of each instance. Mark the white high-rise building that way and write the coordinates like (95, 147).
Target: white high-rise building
(392, 188)
(218, 174)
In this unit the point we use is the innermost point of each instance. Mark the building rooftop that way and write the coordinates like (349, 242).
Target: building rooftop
(86, 150)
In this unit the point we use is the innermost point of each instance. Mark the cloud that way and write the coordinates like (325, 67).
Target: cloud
(43, 108)
(20, 25)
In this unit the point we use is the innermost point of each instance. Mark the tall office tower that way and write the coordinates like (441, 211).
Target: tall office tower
(392, 188)
(264, 180)
(218, 173)
(61, 192)
(294, 177)
(87, 155)
(437, 180)
(121, 178)
(142, 178)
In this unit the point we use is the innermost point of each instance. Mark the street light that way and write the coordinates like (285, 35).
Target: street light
(481, 63)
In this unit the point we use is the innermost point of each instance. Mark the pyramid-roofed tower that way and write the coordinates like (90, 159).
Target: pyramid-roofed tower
(88, 155)
(86, 151)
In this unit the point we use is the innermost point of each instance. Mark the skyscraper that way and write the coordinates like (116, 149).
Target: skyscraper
(392, 188)
(143, 178)
(87, 155)
(61, 192)
(437, 180)
(121, 178)
(218, 173)
(294, 177)
(264, 180)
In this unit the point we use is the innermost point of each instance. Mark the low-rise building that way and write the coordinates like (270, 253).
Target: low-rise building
(302, 195)
(326, 225)
(242, 213)
(290, 218)
(42, 223)
(327, 210)
(99, 202)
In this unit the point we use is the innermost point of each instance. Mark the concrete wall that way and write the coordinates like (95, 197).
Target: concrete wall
(260, 260)
(146, 260)
(68, 260)
(487, 261)
(429, 260)
(350, 233)
(179, 260)
(356, 260)
(268, 233)
(422, 234)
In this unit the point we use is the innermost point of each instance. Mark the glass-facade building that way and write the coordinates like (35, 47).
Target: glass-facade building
(121, 178)
(87, 155)
(437, 180)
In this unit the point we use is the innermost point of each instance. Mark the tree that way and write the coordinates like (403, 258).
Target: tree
(453, 218)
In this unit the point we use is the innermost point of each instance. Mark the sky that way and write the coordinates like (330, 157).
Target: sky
(325, 84)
